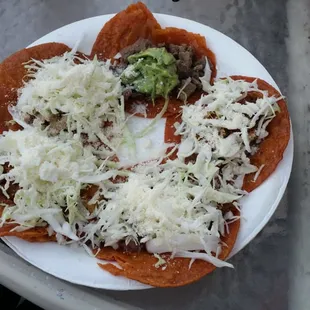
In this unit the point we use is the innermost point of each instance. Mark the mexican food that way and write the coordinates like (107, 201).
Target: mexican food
(166, 221)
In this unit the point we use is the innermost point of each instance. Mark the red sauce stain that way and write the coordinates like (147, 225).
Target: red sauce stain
(170, 136)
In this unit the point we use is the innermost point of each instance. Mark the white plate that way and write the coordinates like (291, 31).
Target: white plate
(75, 265)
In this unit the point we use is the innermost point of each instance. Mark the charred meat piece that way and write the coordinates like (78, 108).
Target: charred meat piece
(173, 49)
(252, 135)
(57, 123)
(13, 187)
(224, 132)
(251, 96)
(184, 64)
(119, 66)
(29, 118)
(197, 83)
(186, 91)
(131, 246)
(86, 195)
(226, 207)
(188, 66)
(199, 66)
(184, 56)
(138, 46)
(195, 80)
(127, 93)
(211, 114)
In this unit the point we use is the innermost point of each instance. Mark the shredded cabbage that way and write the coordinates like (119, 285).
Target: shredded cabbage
(83, 93)
(163, 207)
(47, 171)
(217, 129)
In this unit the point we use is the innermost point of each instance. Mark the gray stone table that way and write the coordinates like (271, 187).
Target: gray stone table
(274, 269)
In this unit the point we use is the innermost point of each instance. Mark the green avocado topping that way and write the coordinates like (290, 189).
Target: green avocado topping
(151, 72)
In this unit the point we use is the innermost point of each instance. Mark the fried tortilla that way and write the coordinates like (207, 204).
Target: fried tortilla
(35, 234)
(176, 272)
(137, 22)
(271, 149)
(124, 29)
(13, 75)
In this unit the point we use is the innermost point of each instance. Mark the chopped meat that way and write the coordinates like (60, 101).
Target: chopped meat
(186, 48)
(173, 49)
(86, 195)
(196, 80)
(138, 46)
(199, 66)
(197, 83)
(188, 66)
(127, 93)
(224, 132)
(29, 119)
(251, 96)
(190, 159)
(41, 118)
(226, 207)
(131, 247)
(57, 123)
(211, 114)
(216, 183)
(118, 66)
(252, 135)
(184, 64)
(161, 45)
(184, 56)
(187, 90)
(183, 70)
(13, 187)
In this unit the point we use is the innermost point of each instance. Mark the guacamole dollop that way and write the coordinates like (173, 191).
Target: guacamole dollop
(151, 72)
